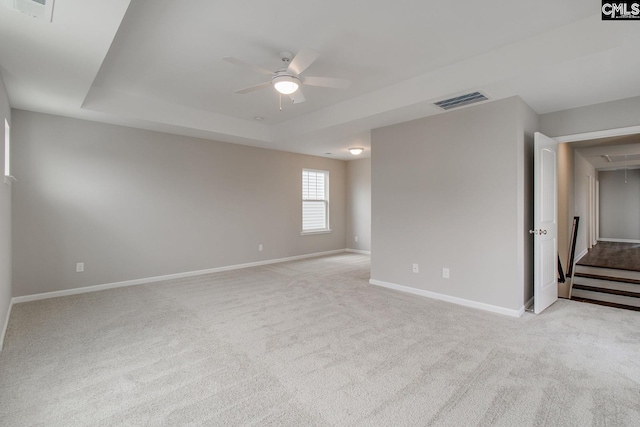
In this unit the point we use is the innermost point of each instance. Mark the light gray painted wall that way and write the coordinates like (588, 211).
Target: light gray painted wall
(359, 204)
(608, 115)
(5, 220)
(565, 201)
(132, 203)
(620, 204)
(582, 169)
(450, 191)
(528, 126)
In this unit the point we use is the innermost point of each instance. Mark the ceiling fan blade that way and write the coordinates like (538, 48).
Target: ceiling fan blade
(302, 60)
(241, 63)
(254, 87)
(327, 82)
(297, 97)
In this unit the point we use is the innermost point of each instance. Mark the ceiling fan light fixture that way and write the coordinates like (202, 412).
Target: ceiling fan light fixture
(356, 151)
(286, 85)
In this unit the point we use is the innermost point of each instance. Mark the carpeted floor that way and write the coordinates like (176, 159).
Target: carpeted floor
(312, 343)
(621, 256)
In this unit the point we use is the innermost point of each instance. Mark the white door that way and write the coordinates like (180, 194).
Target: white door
(545, 222)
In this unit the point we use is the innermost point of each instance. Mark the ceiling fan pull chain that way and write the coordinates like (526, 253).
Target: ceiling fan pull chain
(280, 101)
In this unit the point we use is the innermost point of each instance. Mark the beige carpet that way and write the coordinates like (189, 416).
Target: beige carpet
(312, 343)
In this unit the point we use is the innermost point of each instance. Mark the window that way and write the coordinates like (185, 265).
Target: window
(315, 201)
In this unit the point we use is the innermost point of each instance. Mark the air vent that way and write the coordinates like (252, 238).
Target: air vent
(40, 9)
(462, 100)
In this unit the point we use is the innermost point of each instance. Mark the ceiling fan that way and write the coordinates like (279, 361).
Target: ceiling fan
(287, 80)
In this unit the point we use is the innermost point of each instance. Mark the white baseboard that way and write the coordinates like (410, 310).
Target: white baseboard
(580, 255)
(5, 325)
(358, 251)
(603, 239)
(95, 288)
(449, 298)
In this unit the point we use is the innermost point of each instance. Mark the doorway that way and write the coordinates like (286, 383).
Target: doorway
(580, 158)
(583, 159)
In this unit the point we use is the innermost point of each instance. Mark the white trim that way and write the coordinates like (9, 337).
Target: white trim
(5, 326)
(306, 233)
(449, 298)
(605, 239)
(598, 134)
(7, 150)
(358, 251)
(580, 255)
(95, 288)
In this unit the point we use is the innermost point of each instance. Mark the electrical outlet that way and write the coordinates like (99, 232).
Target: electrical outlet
(445, 273)
(80, 267)
(260, 247)
(356, 238)
(416, 268)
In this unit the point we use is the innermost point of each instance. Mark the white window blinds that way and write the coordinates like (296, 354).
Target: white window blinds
(315, 200)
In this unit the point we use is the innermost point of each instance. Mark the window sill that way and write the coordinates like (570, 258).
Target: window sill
(304, 233)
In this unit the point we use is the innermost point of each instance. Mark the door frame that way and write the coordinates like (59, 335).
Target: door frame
(590, 220)
(585, 136)
(597, 134)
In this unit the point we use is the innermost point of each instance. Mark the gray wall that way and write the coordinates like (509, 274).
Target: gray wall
(5, 220)
(131, 203)
(620, 204)
(359, 204)
(527, 127)
(453, 191)
(607, 115)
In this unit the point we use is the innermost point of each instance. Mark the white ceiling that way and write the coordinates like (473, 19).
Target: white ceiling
(622, 152)
(157, 64)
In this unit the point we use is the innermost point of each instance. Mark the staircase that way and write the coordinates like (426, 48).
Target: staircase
(607, 286)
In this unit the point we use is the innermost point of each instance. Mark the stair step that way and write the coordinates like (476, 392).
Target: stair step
(607, 272)
(607, 290)
(578, 293)
(606, 303)
(597, 282)
(607, 278)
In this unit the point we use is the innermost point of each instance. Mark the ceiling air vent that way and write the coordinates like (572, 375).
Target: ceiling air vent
(462, 100)
(40, 9)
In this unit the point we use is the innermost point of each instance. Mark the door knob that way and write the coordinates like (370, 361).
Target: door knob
(537, 231)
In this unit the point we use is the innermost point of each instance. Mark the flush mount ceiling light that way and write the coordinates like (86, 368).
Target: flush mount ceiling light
(356, 151)
(286, 84)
